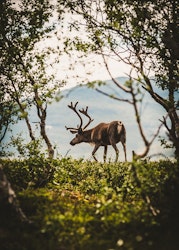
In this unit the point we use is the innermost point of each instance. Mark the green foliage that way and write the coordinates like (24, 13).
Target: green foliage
(87, 205)
(94, 83)
(26, 150)
(33, 172)
(32, 164)
(25, 79)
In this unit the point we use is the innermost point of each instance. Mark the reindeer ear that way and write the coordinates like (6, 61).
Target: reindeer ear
(73, 131)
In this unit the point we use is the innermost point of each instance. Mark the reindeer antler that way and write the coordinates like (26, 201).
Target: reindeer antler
(85, 112)
(73, 107)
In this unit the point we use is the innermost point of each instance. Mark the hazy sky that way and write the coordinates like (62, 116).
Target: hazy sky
(87, 68)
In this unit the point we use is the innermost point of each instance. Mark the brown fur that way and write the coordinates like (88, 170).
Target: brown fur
(103, 134)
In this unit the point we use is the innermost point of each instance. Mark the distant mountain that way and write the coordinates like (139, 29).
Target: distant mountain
(101, 109)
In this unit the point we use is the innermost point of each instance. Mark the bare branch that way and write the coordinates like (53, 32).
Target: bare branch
(155, 135)
(147, 147)
(164, 122)
(155, 96)
(127, 90)
(113, 97)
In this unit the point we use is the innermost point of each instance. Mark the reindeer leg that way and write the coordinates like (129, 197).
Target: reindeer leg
(105, 152)
(117, 151)
(124, 147)
(94, 151)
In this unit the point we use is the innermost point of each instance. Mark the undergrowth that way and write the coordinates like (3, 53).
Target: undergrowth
(84, 205)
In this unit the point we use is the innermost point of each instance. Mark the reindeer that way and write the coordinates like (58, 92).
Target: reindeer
(103, 134)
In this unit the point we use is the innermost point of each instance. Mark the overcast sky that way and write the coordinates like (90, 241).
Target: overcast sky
(87, 68)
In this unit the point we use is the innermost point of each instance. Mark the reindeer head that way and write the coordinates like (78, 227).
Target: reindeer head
(79, 131)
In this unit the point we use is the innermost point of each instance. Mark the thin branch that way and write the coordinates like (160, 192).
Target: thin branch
(156, 97)
(156, 134)
(138, 120)
(147, 148)
(125, 89)
(164, 122)
(113, 97)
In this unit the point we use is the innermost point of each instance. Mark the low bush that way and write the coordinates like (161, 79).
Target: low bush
(85, 205)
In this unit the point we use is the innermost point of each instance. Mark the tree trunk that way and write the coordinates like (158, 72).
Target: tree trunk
(8, 200)
(46, 139)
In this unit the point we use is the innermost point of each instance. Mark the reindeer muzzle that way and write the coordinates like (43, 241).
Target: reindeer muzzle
(72, 143)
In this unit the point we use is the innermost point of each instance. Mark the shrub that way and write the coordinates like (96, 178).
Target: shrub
(87, 205)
